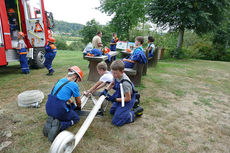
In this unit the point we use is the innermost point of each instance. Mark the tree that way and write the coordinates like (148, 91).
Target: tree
(221, 35)
(199, 15)
(91, 29)
(127, 14)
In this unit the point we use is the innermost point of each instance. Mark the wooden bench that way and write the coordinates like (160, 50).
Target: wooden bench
(146, 65)
(135, 73)
(125, 54)
(152, 61)
(93, 61)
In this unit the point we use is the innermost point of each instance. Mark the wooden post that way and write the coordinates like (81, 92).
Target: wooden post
(155, 58)
(93, 74)
(152, 60)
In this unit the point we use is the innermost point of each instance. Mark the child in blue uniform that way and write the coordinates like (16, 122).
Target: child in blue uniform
(151, 46)
(122, 115)
(59, 107)
(12, 20)
(50, 54)
(137, 56)
(22, 53)
(113, 42)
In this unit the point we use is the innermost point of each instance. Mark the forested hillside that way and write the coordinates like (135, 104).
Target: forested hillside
(65, 27)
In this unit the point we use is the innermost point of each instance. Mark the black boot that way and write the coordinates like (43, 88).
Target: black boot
(138, 111)
(137, 101)
(47, 126)
(54, 131)
(50, 73)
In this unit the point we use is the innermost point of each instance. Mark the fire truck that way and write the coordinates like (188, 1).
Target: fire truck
(30, 18)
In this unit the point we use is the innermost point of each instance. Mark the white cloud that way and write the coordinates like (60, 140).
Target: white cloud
(76, 11)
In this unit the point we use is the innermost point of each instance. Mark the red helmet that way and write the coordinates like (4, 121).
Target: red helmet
(107, 50)
(11, 10)
(77, 70)
(21, 34)
(51, 39)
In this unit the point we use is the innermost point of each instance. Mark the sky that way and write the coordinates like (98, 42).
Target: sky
(76, 11)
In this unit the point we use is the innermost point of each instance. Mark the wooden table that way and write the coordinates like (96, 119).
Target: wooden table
(125, 53)
(93, 61)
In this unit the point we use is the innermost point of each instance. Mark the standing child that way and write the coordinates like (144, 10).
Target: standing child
(23, 53)
(151, 46)
(113, 42)
(50, 55)
(122, 115)
(138, 55)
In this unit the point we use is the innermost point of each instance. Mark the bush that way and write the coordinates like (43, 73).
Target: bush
(60, 43)
(76, 45)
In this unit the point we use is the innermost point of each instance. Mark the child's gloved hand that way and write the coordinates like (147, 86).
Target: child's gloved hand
(78, 108)
(110, 98)
(104, 92)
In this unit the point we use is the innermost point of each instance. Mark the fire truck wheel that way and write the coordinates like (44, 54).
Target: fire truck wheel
(39, 58)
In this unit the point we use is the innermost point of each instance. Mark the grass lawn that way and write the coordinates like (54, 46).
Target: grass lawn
(186, 102)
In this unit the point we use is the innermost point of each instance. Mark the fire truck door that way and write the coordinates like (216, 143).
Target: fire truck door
(2, 49)
(34, 22)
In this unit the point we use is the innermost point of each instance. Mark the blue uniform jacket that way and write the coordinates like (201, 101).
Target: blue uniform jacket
(138, 55)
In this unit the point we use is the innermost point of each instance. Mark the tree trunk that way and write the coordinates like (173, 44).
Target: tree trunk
(180, 38)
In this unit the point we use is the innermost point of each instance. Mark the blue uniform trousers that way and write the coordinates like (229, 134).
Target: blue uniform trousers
(122, 115)
(24, 63)
(49, 57)
(59, 110)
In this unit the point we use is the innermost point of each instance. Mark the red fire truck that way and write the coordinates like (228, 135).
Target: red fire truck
(31, 19)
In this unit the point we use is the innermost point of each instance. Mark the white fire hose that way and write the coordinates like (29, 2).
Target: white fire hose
(122, 96)
(66, 142)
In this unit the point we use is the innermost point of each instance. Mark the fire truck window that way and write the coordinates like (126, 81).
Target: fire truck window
(33, 9)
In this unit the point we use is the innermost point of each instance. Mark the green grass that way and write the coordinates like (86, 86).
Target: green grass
(186, 109)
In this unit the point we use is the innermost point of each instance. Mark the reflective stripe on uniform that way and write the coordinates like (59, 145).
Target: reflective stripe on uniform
(131, 116)
(25, 68)
(21, 53)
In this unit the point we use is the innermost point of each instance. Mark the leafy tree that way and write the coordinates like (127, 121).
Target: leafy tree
(107, 34)
(221, 35)
(126, 14)
(198, 15)
(90, 30)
